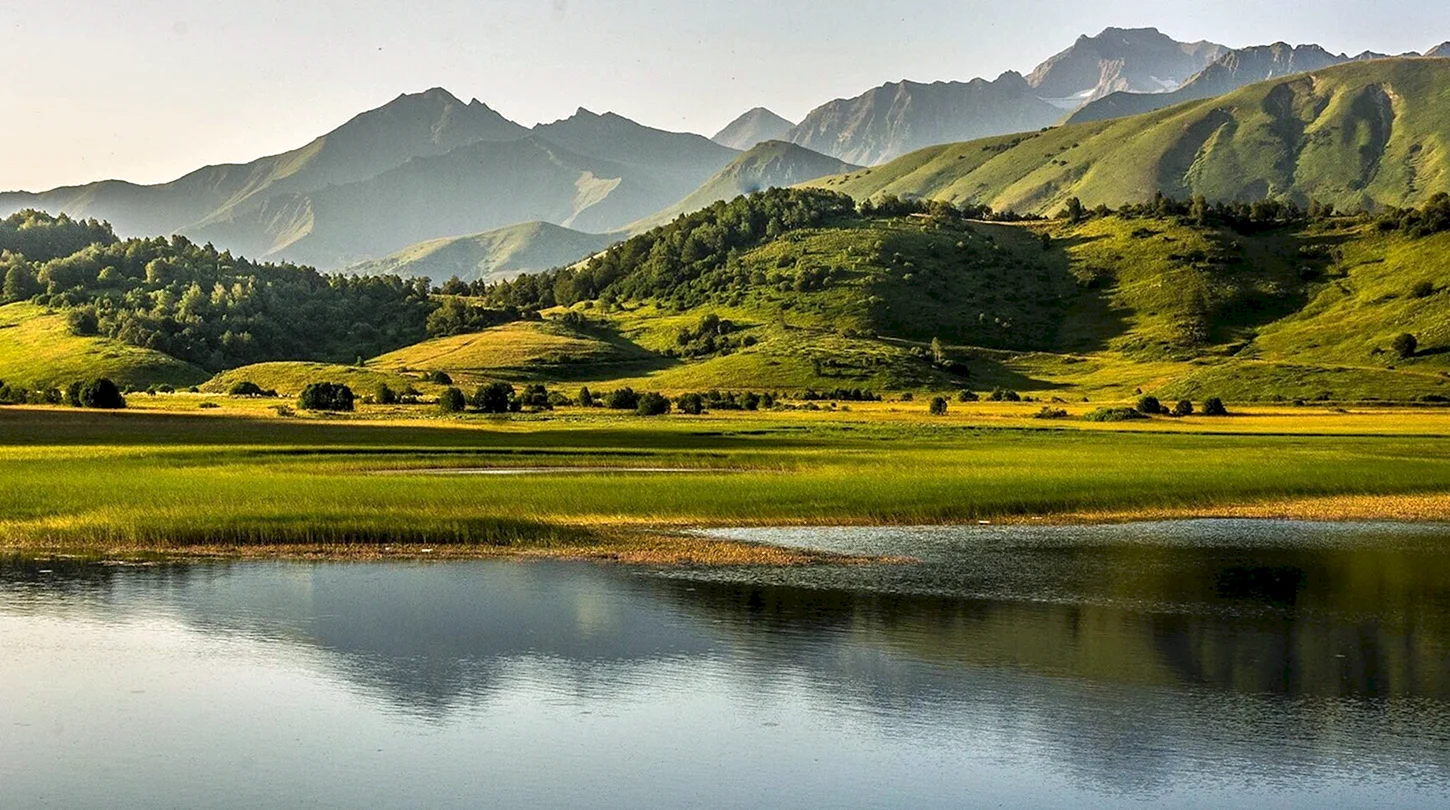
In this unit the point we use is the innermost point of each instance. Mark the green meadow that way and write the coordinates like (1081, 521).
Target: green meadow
(157, 480)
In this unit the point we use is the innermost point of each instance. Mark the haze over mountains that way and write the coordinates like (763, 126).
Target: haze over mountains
(427, 166)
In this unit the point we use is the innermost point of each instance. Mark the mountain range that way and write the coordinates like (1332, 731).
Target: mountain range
(428, 167)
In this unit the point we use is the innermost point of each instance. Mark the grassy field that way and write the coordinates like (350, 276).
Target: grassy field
(379, 482)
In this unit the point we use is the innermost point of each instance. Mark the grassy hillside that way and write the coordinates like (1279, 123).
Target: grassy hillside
(37, 349)
(524, 350)
(503, 253)
(1359, 135)
(289, 378)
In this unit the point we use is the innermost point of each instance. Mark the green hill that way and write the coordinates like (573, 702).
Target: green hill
(38, 350)
(523, 350)
(503, 253)
(1367, 134)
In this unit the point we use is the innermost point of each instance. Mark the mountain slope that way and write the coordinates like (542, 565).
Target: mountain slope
(1364, 134)
(894, 119)
(754, 127)
(1141, 60)
(471, 189)
(503, 253)
(418, 125)
(773, 164)
(1441, 51)
(1235, 69)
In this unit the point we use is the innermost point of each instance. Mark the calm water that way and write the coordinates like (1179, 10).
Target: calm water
(1206, 664)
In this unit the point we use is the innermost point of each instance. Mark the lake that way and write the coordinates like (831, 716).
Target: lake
(1192, 664)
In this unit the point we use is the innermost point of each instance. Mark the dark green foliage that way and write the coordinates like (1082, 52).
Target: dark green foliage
(440, 378)
(585, 398)
(325, 396)
(203, 305)
(247, 388)
(558, 400)
(10, 395)
(711, 336)
(1423, 289)
(692, 404)
(908, 397)
(1183, 408)
(652, 404)
(938, 406)
(1004, 395)
(840, 395)
(1150, 406)
(535, 397)
(967, 396)
(385, 395)
(1405, 345)
(1049, 412)
(1114, 415)
(682, 261)
(451, 401)
(101, 393)
(623, 399)
(455, 317)
(73, 394)
(494, 398)
(1214, 407)
(1432, 218)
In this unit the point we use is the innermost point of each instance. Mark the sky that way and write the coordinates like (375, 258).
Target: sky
(147, 90)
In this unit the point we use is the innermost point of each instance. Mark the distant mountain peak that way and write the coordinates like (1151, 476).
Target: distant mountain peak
(1121, 59)
(755, 126)
(1442, 50)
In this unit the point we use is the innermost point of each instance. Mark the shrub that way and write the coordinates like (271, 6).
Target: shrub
(535, 396)
(692, 404)
(284, 410)
(1004, 395)
(586, 399)
(1049, 412)
(908, 397)
(623, 399)
(1423, 289)
(1114, 415)
(1150, 406)
(1183, 408)
(326, 396)
(385, 395)
(452, 401)
(967, 396)
(101, 393)
(494, 398)
(440, 378)
(652, 404)
(1214, 407)
(938, 406)
(1405, 345)
(73, 394)
(558, 400)
(247, 388)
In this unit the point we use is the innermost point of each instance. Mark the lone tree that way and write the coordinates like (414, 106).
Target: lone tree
(1150, 406)
(101, 393)
(1183, 408)
(652, 404)
(452, 401)
(440, 378)
(494, 398)
(326, 396)
(385, 395)
(586, 399)
(938, 354)
(1405, 345)
(938, 406)
(246, 388)
(1214, 407)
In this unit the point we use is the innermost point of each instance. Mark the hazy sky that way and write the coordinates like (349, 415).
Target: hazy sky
(146, 90)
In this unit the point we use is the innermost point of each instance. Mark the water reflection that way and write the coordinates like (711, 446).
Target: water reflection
(1208, 663)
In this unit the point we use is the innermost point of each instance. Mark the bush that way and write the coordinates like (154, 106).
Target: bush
(1004, 395)
(1423, 289)
(558, 400)
(1114, 415)
(1150, 406)
(692, 404)
(440, 378)
(101, 393)
(284, 410)
(1405, 345)
(384, 395)
(586, 399)
(494, 398)
(452, 401)
(535, 396)
(1049, 412)
(908, 397)
(652, 404)
(247, 388)
(967, 396)
(938, 406)
(1183, 408)
(624, 399)
(326, 396)
(1214, 407)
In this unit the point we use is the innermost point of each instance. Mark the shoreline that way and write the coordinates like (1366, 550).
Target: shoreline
(687, 543)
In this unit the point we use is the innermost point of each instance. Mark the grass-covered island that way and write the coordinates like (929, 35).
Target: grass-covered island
(168, 476)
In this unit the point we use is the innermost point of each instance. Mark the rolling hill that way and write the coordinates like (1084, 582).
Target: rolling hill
(753, 128)
(37, 349)
(1367, 134)
(503, 253)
